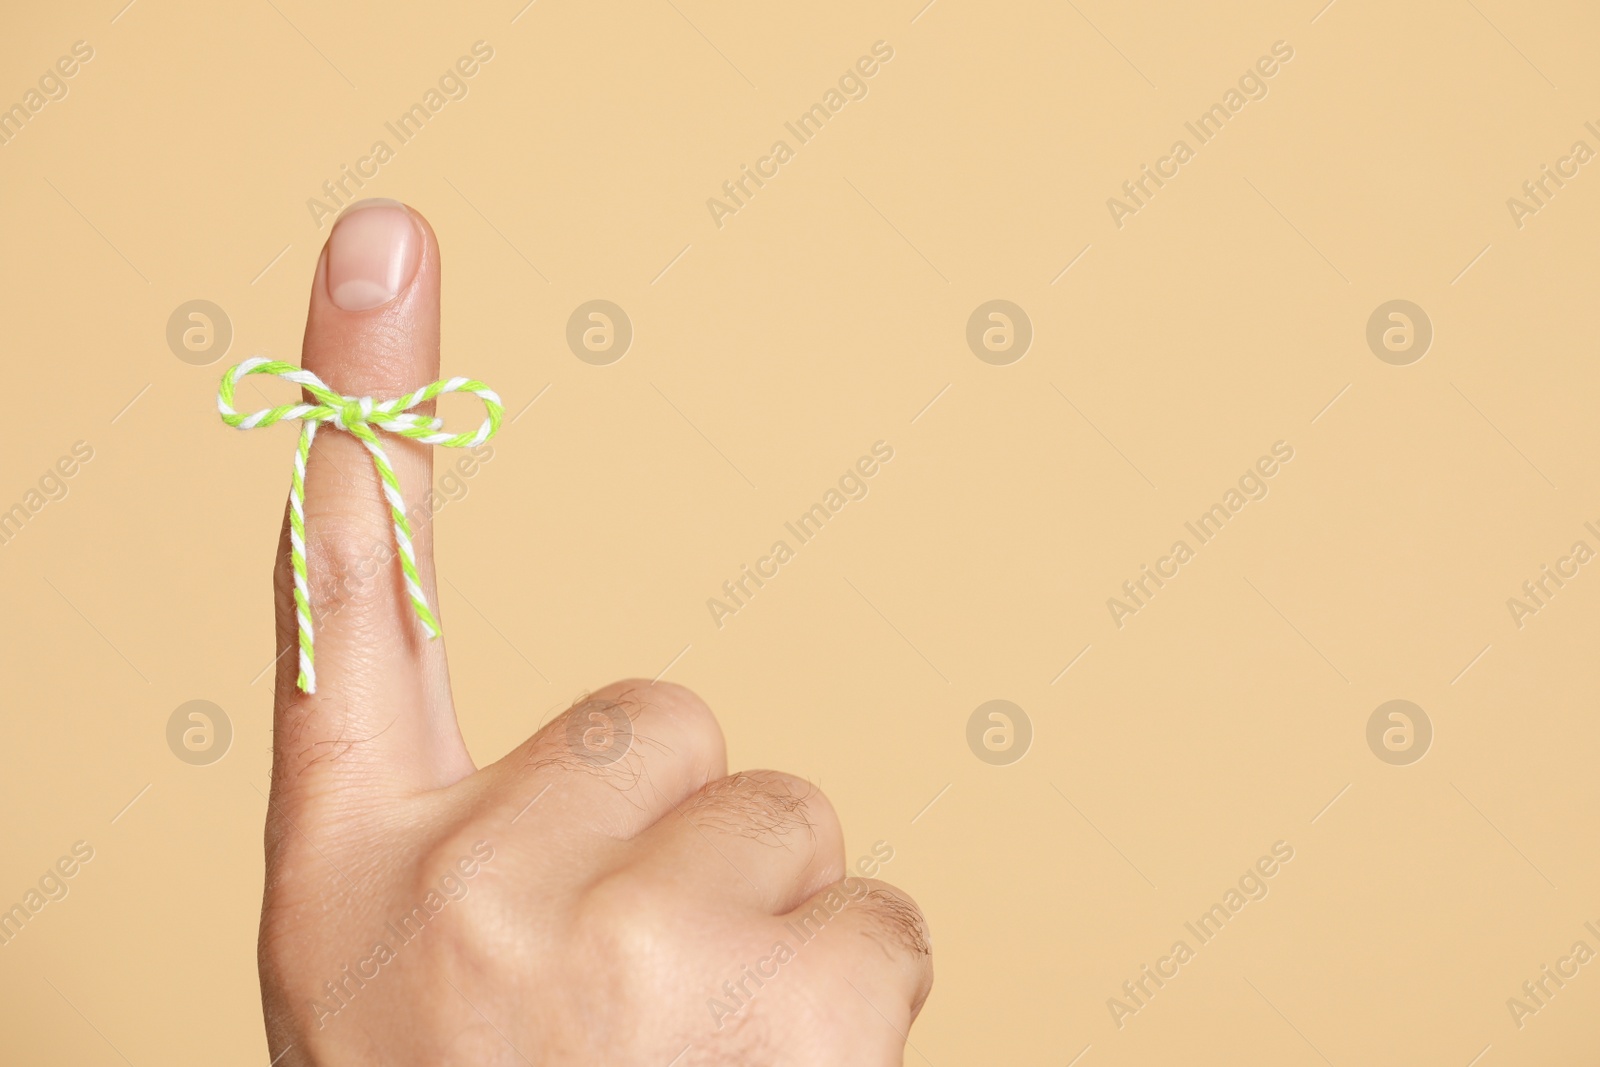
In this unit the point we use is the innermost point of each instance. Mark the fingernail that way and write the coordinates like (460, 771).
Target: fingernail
(372, 255)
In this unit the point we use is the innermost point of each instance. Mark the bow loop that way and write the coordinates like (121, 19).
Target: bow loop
(357, 416)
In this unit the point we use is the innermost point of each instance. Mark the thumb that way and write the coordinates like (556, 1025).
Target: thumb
(381, 714)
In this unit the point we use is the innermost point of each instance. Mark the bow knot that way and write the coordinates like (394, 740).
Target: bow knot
(352, 411)
(356, 416)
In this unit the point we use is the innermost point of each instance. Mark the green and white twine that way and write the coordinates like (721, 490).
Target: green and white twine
(356, 416)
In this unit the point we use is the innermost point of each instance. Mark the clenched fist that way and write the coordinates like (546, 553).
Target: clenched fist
(606, 893)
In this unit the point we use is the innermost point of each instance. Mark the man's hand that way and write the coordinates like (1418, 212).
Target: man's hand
(606, 893)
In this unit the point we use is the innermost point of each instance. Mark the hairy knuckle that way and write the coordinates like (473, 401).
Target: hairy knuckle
(898, 918)
(762, 804)
(615, 732)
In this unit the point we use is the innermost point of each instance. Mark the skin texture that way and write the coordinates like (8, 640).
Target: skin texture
(560, 906)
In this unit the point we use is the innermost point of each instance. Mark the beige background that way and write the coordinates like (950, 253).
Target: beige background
(1228, 314)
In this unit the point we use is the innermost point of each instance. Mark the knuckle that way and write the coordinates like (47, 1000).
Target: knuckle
(462, 853)
(896, 917)
(347, 559)
(625, 919)
(764, 805)
(612, 732)
(451, 869)
(594, 737)
(675, 716)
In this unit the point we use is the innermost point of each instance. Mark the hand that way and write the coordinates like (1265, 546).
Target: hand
(606, 893)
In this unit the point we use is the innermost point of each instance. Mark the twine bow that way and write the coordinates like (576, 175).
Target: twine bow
(356, 416)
